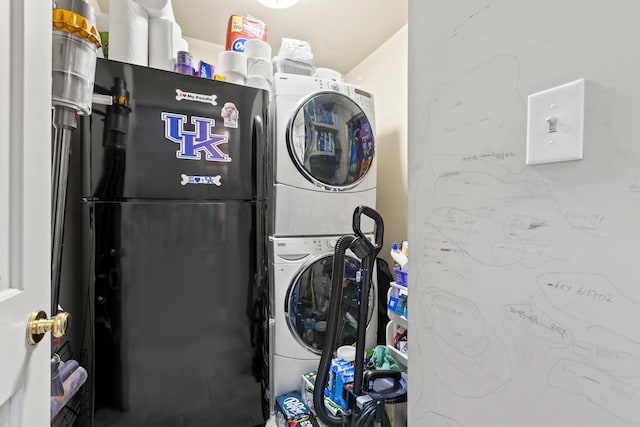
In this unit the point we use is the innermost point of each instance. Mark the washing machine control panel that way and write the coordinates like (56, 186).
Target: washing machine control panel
(296, 249)
(292, 249)
(302, 86)
(324, 84)
(363, 98)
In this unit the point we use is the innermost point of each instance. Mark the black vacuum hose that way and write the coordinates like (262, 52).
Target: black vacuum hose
(367, 417)
(337, 277)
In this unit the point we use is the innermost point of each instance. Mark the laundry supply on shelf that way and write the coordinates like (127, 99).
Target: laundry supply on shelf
(294, 57)
(242, 28)
(398, 256)
(184, 64)
(206, 70)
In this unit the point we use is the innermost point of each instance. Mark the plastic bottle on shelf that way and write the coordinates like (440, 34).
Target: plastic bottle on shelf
(405, 248)
(398, 257)
(184, 63)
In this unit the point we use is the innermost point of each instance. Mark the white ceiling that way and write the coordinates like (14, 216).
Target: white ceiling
(342, 33)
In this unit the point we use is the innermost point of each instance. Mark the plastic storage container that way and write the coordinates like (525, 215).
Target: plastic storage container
(283, 65)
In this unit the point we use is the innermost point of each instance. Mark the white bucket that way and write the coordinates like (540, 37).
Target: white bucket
(346, 352)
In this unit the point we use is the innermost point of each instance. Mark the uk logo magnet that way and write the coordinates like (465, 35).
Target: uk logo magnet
(195, 143)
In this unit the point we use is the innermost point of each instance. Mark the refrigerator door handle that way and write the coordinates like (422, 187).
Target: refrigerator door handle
(257, 131)
(260, 165)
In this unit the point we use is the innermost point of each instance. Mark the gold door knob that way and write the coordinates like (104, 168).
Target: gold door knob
(39, 325)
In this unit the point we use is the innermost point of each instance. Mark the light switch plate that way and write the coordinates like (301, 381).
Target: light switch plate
(555, 124)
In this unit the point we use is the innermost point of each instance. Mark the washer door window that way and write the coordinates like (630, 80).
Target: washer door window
(330, 140)
(307, 304)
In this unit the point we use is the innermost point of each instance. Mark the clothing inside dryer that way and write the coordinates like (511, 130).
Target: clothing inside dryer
(331, 140)
(307, 304)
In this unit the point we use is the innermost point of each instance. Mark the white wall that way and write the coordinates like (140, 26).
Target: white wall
(204, 51)
(524, 305)
(384, 74)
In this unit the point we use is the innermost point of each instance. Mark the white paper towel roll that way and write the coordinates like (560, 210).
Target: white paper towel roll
(165, 38)
(102, 22)
(232, 61)
(158, 8)
(258, 82)
(257, 48)
(233, 77)
(260, 67)
(183, 45)
(128, 32)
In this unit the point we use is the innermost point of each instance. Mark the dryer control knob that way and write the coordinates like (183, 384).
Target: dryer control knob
(335, 85)
(331, 244)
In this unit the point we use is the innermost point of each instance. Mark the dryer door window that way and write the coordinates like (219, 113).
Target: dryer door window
(307, 304)
(330, 140)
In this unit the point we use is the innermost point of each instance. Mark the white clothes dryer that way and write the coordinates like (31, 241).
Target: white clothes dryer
(324, 162)
(301, 283)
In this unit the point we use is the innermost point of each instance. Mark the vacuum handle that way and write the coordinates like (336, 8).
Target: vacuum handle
(371, 376)
(379, 225)
(392, 387)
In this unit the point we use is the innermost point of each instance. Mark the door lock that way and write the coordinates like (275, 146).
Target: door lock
(38, 325)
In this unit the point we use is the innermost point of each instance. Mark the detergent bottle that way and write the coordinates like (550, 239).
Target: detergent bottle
(398, 256)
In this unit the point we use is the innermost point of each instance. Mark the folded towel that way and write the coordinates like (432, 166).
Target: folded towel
(382, 359)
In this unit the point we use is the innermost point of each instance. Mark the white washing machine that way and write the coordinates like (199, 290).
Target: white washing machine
(301, 284)
(324, 162)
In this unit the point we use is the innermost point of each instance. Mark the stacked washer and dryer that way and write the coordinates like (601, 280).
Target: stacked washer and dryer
(324, 166)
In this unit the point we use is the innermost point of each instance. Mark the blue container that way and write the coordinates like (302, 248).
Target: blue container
(401, 277)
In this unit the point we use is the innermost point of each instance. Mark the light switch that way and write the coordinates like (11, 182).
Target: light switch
(555, 124)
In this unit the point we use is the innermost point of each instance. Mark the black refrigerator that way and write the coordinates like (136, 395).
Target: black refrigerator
(173, 203)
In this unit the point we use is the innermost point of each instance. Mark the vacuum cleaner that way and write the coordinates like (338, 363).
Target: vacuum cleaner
(366, 399)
